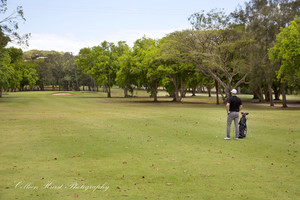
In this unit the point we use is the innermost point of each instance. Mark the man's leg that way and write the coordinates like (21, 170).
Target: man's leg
(236, 123)
(229, 121)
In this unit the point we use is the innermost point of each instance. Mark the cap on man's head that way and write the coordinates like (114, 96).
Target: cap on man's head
(233, 91)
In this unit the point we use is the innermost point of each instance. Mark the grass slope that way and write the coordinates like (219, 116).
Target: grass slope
(62, 147)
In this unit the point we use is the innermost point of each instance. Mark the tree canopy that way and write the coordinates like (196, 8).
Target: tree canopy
(286, 51)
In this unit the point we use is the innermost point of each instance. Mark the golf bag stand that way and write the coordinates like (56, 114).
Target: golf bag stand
(243, 125)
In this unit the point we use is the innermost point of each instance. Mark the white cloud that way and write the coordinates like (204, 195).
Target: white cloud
(70, 43)
(66, 43)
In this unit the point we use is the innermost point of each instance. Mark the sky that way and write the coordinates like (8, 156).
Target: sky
(69, 25)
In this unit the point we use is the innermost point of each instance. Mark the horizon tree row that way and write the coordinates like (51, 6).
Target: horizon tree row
(221, 51)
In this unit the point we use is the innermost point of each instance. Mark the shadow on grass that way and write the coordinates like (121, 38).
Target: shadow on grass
(147, 100)
(292, 104)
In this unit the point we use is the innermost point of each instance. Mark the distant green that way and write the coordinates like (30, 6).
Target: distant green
(60, 147)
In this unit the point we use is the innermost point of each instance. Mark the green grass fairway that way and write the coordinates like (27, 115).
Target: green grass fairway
(85, 146)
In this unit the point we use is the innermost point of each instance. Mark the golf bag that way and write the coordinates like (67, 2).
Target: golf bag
(243, 126)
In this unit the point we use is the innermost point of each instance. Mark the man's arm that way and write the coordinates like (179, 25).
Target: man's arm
(227, 107)
(241, 106)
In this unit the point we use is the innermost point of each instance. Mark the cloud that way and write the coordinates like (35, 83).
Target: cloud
(68, 42)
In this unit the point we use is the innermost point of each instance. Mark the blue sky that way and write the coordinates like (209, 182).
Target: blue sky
(69, 25)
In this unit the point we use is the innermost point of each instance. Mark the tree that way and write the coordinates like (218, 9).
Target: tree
(176, 72)
(55, 62)
(215, 19)
(101, 63)
(286, 51)
(220, 54)
(9, 24)
(6, 70)
(16, 63)
(263, 19)
(70, 75)
(150, 76)
(144, 65)
(126, 78)
(44, 73)
(29, 75)
(104, 68)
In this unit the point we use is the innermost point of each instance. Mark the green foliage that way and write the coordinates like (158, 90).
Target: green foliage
(148, 65)
(219, 54)
(214, 20)
(101, 62)
(262, 19)
(6, 70)
(16, 63)
(29, 74)
(286, 51)
(126, 78)
(9, 24)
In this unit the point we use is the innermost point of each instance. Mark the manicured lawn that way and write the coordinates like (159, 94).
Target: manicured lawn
(86, 146)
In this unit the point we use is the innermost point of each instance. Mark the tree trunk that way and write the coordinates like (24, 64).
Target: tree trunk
(260, 94)
(1, 89)
(270, 95)
(177, 96)
(284, 103)
(217, 91)
(209, 91)
(193, 92)
(108, 92)
(154, 93)
(126, 92)
(182, 90)
(76, 79)
(267, 95)
(59, 86)
(227, 93)
(276, 93)
(202, 89)
(182, 93)
(255, 96)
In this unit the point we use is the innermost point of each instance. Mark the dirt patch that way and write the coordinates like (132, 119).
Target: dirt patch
(59, 94)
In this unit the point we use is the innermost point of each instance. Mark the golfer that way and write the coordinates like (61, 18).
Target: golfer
(233, 107)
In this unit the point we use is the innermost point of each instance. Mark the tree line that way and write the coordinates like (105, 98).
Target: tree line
(255, 48)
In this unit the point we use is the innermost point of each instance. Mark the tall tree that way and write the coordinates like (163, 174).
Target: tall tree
(6, 70)
(175, 71)
(145, 63)
(29, 75)
(126, 77)
(286, 51)
(101, 63)
(16, 63)
(220, 54)
(56, 63)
